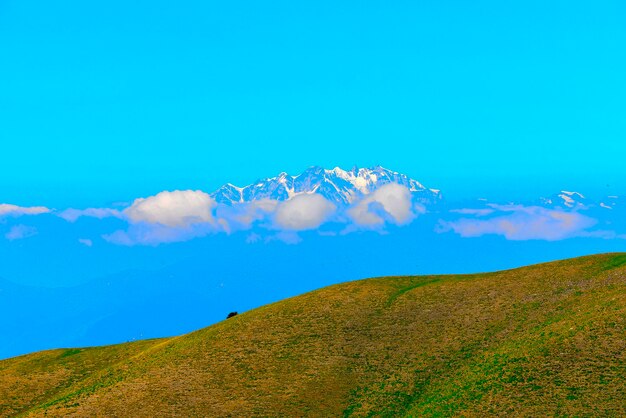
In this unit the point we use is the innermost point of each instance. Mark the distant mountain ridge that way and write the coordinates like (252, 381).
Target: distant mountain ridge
(572, 200)
(337, 185)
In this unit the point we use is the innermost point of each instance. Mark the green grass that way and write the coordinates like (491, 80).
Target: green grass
(545, 340)
(404, 289)
(70, 352)
(615, 262)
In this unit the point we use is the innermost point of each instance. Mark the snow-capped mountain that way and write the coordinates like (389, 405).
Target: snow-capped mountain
(337, 185)
(566, 199)
(576, 200)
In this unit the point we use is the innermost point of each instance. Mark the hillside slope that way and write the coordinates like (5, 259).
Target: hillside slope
(541, 340)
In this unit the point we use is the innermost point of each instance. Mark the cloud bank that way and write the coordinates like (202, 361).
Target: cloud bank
(181, 215)
(520, 223)
(72, 215)
(14, 210)
(173, 216)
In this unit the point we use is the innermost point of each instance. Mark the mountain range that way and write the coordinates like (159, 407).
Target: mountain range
(345, 187)
(339, 186)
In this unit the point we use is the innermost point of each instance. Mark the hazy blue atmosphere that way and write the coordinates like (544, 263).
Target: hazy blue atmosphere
(469, 136)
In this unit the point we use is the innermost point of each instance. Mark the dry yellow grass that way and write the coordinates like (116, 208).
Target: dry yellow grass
(542, 340)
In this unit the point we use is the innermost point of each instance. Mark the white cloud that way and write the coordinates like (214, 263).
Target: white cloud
(7, 209)
(86, 242)
(71, 215)
(305, 211)
(243, 215)
(174, 216)
(20, 232)
(390, 202)
(180, 208)
(519, 223)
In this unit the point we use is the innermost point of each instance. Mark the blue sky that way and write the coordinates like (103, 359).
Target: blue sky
(111, 101)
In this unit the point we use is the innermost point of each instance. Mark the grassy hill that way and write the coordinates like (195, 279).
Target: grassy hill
(542, 340)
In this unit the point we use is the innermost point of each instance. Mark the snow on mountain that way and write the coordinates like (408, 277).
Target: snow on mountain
(566, 199)
(337, 185)
(613, 202)
(576, 200)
